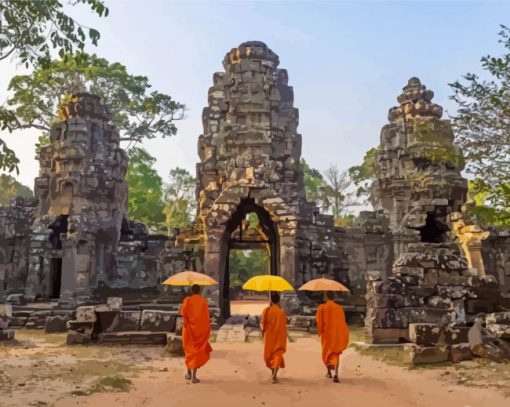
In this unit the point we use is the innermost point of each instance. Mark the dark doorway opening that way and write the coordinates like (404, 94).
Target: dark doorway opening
(58, 227)
(250, 229)
(55, 278)
(434, 230)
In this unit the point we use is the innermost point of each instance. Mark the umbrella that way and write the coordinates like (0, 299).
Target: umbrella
(323, 284)
(187, 278)
(267, 283)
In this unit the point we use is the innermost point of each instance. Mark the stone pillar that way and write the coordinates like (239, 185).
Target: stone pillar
(69, 280)
(288, 259)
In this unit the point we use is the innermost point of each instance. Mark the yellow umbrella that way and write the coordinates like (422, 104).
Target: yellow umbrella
(187, 278)
(267, 283)
(323, 284)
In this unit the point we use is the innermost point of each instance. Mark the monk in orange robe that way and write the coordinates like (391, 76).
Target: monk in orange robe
(195, 332)
(334, 333)
(274, 329)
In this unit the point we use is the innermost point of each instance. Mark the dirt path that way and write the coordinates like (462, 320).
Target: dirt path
(236, 376)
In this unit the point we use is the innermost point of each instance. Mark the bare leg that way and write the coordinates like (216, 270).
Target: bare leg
(275, 372)
(188, 375)
(328, 374)
(335, 377)
(194, 378)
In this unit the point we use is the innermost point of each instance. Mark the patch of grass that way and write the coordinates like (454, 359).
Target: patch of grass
(110, 384)
(356, 333)
(392, 356)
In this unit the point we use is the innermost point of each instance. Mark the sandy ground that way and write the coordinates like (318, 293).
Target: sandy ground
(41, 371)
(248, 307)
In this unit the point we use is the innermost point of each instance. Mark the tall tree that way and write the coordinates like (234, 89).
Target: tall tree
(338, 198)
(313, 183)
(180, 202)
(145, 202)
(11, 188)
(28, 32)
(362, 175)
(138, 113)
(482, 126)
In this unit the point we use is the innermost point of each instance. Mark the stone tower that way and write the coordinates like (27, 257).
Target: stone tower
(82, 198)
(418, 182)
(249, 158)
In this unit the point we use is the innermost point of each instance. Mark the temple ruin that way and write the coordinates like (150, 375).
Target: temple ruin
(74, 243)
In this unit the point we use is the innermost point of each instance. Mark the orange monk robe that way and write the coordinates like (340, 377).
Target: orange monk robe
(274, 328)
(333, 330)
(196, 331)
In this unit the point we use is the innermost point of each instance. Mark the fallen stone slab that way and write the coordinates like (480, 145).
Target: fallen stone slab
(123, 321)
(454, 335)
(158, 321)
(424, 334)
(86, 314)
(174, 345)
(498, 318)
(16, 299)
(460, 352)
(133, 338)
(418, 354)
(86, 328)
(77, 338)
(56, 323)
(499, 330)
(36, 322)
(6, 334)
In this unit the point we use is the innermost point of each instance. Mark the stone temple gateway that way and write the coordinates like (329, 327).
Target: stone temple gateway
(74, 242)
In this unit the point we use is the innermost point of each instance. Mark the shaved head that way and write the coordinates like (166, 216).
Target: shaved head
(195, 289)
(329, 295)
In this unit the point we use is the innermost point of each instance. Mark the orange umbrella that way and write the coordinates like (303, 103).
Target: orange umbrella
(323, 284)
(187, 278)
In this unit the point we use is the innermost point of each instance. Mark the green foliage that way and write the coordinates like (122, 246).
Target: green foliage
(137, 113)
(245, 264)
(482, 203)
(438, 149)
(30, 29)
(482, 126)
(313, 182)
(10, 188)
(180, 203)
(145, 189)
(345, 221)
(363, 174)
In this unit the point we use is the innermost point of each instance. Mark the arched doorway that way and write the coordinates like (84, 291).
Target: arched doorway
(250, 228)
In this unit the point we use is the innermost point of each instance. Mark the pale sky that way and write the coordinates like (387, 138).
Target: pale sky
(347, 62)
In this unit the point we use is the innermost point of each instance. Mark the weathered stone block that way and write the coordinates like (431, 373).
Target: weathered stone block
(499, 330)
(424, 334)
(476, 306)
(158, 321)
(77, 338)
(16, 299)
(454, 335)
(439, 302)
(179, 325)
(417, 354)
(6, 334)
(385, 318)
(87, 328)
(174, 345)
(18, 322)
(120, 321)
(409, 271)
(5, 315)
(57, 323)
(385, 335)
(114, 303)
(498, 318)
(36, 322)
(86, 314)
(424, 315)
(460, 352)
(384, 300)
(451, 277)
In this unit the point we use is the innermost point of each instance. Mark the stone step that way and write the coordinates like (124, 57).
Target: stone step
(133, 338)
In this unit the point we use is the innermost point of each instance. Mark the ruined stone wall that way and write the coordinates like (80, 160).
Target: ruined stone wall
(15, 227)
(82, 198)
